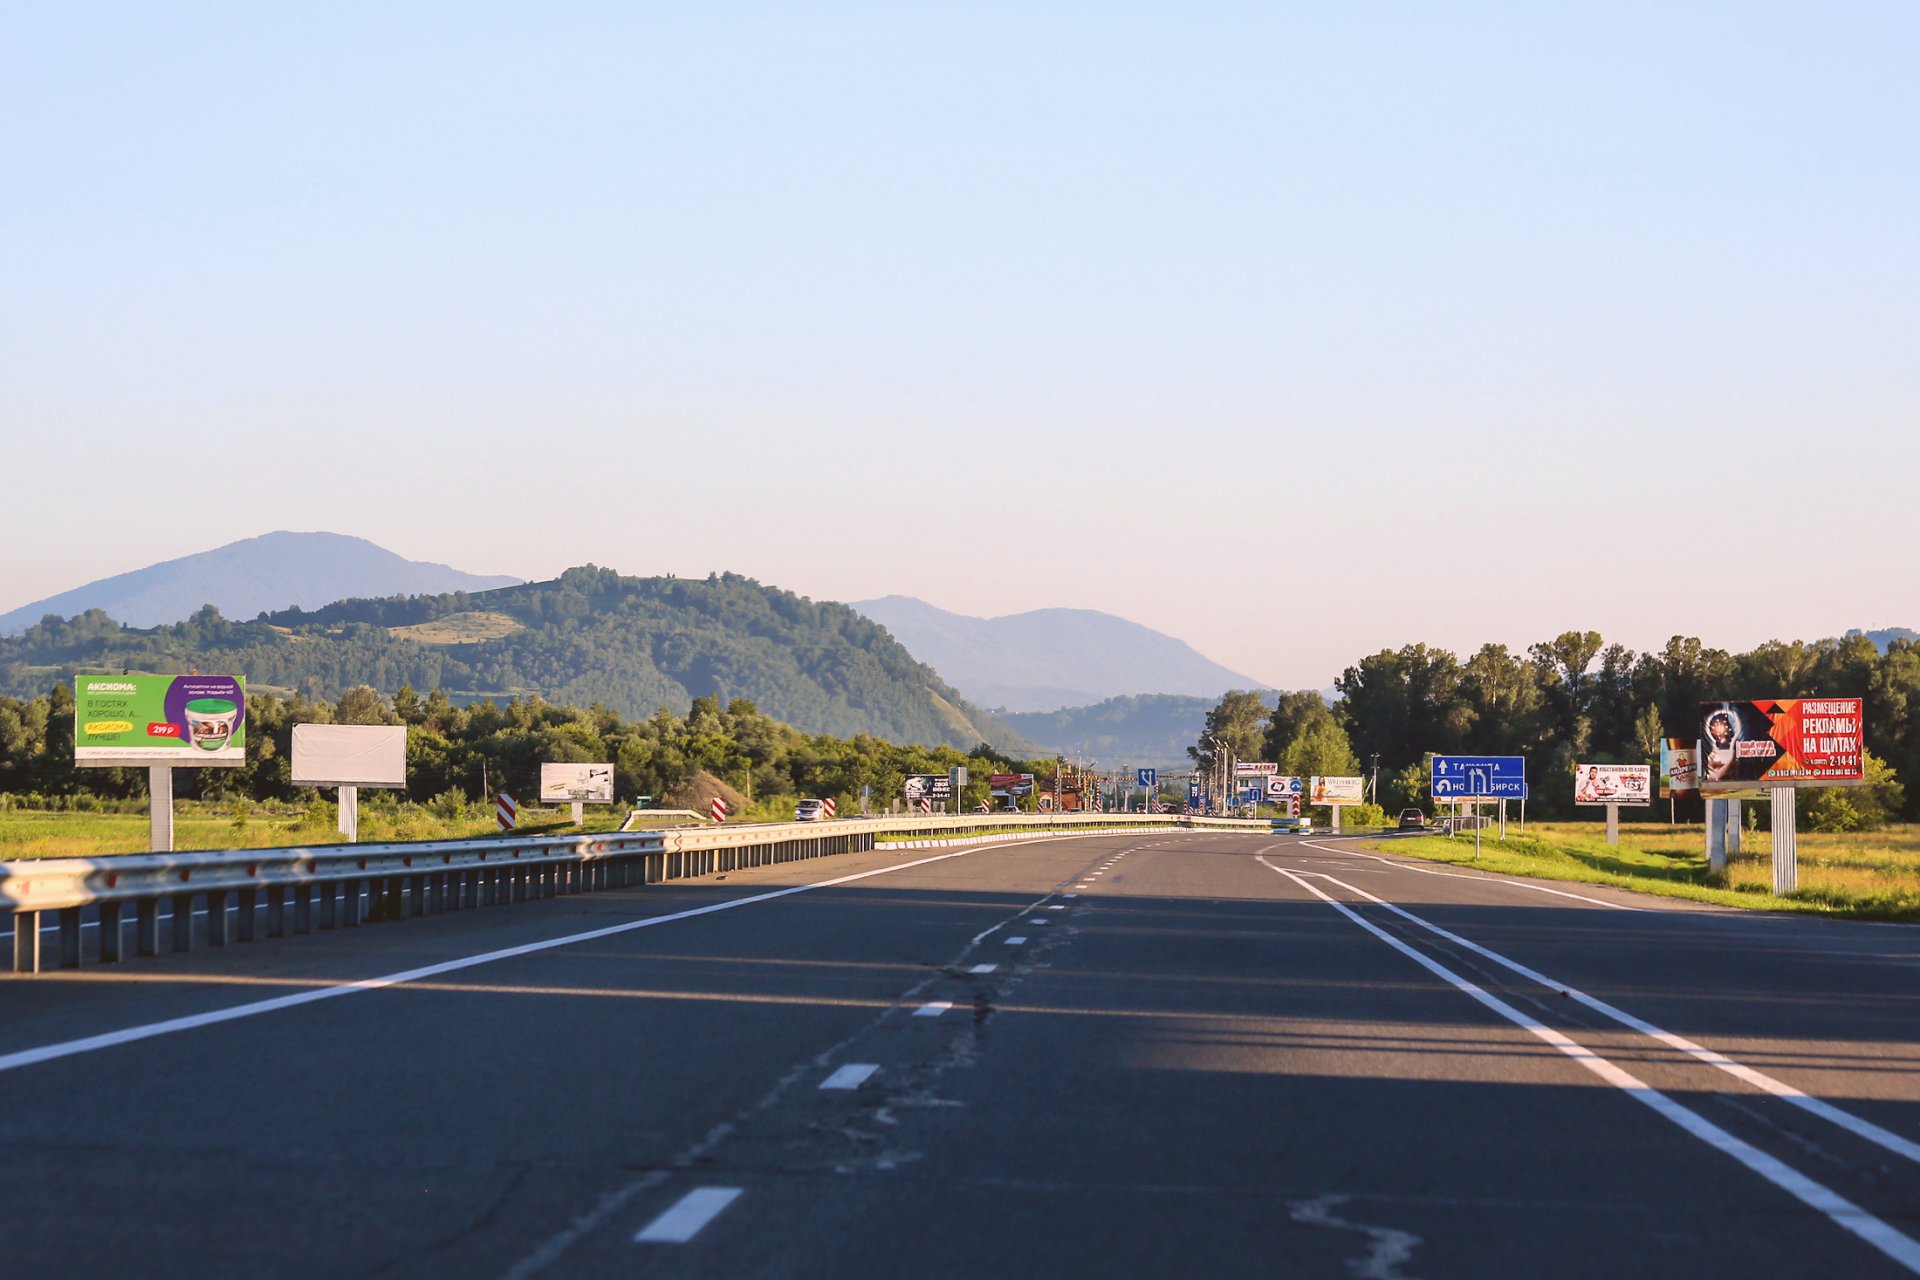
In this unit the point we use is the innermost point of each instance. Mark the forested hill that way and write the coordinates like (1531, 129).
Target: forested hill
(632, 644)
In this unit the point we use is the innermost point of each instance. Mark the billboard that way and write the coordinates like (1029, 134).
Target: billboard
(1010, 784)
(1781, 742)
(1612, 784)
(350, 755)
(179, 720)
(1479, 777)
(585, 783)
(1255, 769)
(1282, 788)
(1337, 790)
(937, 787)
(1679, 768)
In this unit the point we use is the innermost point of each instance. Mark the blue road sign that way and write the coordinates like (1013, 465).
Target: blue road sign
(1193, 792)
(1479, 777)
(1148, 777)
(1253, 795)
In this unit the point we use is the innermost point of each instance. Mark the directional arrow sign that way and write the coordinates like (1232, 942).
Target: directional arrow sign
(1479, 777)
(1148, 776)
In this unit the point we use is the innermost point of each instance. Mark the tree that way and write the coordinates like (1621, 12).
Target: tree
(1239, 722)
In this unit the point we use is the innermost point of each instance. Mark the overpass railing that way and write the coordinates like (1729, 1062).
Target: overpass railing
(328, 887)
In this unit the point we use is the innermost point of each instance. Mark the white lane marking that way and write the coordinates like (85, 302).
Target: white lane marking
(1758, 1079)
(1014, 942)
(693, 1211)
(983, 968)
(933, 1008)
(1454, 875)
(1069, 895)
(851, 1076)
(1841, 1211)
(129, 1035)
(1035, 920)
(1057, 907)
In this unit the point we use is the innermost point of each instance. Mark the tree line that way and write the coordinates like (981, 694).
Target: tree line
(465, 753)
(1571, 699)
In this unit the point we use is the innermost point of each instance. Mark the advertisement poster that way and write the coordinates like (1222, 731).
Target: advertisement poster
(1010, 784)
(586, 783)
(937, 787)
(1612, 784)
(179, 720)
(1284, 788)
(1791, 742)
(1337, 790)
(1679, 768)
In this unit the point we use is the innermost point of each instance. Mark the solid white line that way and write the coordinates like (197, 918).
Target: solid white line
(983, 968)
(1843, 1212)
(1014, 942)
(933, 1008)
(129, 1035)
(1455, 875)
(851, 1076)
(683, 1222)
(1758, 1079)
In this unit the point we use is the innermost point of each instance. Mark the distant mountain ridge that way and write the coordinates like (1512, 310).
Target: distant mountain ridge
(1050, 659)
(1886, 636)
(1138, 730)
(634, 645)
(281, 570)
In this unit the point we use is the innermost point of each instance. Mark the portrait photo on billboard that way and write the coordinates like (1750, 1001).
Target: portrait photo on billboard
(1781, 742)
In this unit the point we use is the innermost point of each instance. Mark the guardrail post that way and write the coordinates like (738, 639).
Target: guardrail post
(26, 942)
(422, 885)
(350, 903)
(110, 933)
(249, 904)
(69, 937)
(183, 922)
(276, 911)
(146, 926)
(216, 917)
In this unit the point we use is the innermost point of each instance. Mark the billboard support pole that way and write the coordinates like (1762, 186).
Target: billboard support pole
(579, 813)
(1733, 827)
(160, 807)
(1613, 824)
(350, 814)
(1503, 817)
(1716, 836)
(1786, 853)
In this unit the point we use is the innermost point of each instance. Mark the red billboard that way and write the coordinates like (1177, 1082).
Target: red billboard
(1785, 742)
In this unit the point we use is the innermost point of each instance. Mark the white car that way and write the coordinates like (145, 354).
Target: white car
(810, 811)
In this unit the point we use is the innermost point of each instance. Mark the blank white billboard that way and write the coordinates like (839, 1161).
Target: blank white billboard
(350, 755)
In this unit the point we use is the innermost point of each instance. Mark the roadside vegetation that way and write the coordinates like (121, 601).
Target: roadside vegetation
(1869, 875)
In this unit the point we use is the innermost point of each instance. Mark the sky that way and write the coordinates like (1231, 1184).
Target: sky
(1295, 330)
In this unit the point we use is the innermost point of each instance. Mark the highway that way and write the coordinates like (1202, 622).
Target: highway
(1150, 1053)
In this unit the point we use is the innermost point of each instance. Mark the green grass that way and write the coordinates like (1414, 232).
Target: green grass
(26, 833)
(1874, 875)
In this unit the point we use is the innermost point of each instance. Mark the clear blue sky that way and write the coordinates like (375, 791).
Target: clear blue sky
(1543, 316)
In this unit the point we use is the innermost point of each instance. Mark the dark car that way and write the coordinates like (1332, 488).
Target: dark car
(1412, 820)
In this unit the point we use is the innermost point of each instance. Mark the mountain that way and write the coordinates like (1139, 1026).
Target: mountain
(1881, 639)
(273, 571)
(634, 645)
(1050, 658)
(1143, 729)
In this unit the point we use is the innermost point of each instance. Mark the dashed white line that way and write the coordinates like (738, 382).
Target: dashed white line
(983, 968)
(1056, 907)
(1069, 895)
(684, 1220)
(933, 1008)
(1014, 942)
(851, 1076)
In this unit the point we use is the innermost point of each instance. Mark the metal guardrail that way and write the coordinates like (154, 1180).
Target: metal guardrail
(342, 886)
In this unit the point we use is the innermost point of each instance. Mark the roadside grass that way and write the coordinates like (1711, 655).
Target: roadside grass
(1871, 875)
(26, 833)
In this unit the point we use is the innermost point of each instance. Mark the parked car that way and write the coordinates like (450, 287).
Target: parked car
(1412, 820)
(810, 811)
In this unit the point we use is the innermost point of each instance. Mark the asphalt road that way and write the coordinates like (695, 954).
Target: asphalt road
(1147, 1054)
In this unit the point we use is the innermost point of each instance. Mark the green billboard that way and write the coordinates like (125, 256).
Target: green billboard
(177, 720)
